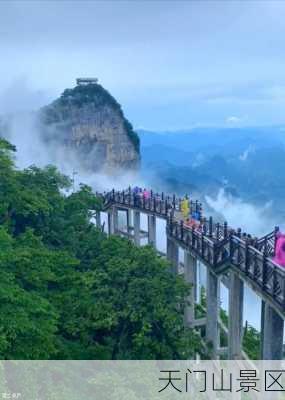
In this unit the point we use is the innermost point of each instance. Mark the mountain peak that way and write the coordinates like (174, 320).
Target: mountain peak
(90, 121)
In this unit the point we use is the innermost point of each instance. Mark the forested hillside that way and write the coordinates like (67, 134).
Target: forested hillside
(69, 292)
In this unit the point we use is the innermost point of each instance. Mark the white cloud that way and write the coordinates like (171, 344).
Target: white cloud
(178, 54)
(245, 154)
(233, 120)
(239, 213)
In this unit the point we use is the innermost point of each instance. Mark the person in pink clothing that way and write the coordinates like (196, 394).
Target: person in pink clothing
(146, 194)
(279, 257)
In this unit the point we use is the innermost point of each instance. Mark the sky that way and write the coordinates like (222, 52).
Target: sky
(171, 64)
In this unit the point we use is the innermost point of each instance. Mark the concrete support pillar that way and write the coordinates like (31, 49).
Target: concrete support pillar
(129, 220)
(137, 227)
(168, 248)
(151, 221)
(190, 275)
(272, 330)
(116, 219)
(198, 283)
(172, 253)
(212, 328)
(112, 221)
(98, 219)
(236, 291)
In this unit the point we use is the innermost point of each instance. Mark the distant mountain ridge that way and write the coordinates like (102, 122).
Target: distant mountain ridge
(245, 162)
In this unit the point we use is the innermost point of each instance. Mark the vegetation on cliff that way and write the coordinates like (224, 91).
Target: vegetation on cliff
(91, 94)
(69, 292)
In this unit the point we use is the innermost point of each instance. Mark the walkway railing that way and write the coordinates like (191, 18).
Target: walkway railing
(217, 245)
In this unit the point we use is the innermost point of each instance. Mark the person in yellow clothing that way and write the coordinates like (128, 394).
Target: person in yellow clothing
(185, 208)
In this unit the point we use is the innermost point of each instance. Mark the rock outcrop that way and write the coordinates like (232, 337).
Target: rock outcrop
(88, 121)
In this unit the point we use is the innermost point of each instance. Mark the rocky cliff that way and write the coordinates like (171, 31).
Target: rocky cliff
(89, 121)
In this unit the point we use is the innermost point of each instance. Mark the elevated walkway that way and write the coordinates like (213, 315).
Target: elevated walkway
(222, 250)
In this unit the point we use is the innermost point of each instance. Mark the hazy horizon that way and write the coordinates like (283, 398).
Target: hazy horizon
(172, 65)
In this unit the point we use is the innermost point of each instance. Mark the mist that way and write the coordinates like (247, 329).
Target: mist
(23, 129)
(240, 214)
(20, 96)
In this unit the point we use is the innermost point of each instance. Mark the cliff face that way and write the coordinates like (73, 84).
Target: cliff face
(88, 121)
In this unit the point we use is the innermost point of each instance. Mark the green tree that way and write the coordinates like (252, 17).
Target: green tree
(131, 307)
(251, 342)
(28, 321)
(68, 291)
